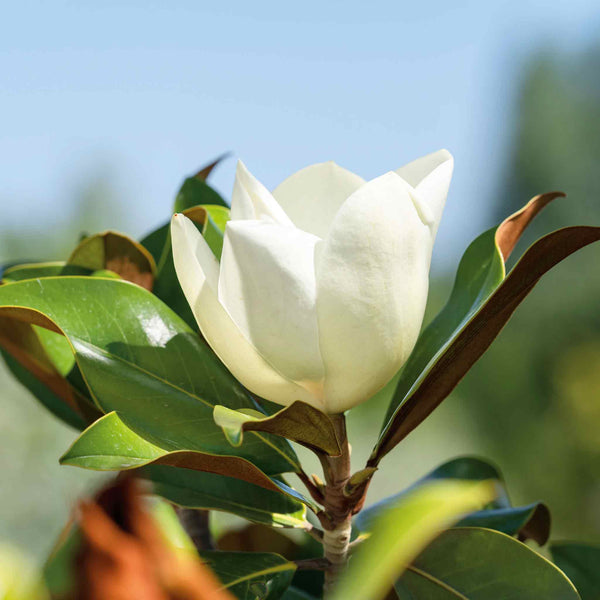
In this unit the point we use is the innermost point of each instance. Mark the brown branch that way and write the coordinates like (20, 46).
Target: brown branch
(312, 564)
(197, 526)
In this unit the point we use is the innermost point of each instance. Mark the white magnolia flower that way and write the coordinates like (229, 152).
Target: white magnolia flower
(322, 284)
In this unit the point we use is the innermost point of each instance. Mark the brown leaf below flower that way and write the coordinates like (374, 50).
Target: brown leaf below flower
(124, 555)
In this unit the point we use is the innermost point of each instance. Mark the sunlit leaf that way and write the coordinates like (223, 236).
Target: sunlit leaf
(140, 359)
(109, 444)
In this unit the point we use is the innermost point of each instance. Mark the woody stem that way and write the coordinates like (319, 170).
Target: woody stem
(338, 509)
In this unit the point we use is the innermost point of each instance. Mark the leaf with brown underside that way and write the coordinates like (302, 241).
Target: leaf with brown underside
(511, 229)
(299, 422)
(110, 445)
(23, 342)
(204, 172)
(481, 303)
(118, 253)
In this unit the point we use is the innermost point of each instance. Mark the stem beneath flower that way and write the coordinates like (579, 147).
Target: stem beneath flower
(338, 508)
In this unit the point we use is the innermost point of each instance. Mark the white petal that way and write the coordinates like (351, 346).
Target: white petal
(312, 196)
(198, 271)
(430, 176)
(252, 200)
(267, 284)
(372, 281)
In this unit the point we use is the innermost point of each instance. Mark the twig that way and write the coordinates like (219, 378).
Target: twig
(312, 564)
(315, 492)
(196, 524)
(314, 532)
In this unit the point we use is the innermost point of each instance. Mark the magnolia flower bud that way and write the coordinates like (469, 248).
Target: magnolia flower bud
(322, 284)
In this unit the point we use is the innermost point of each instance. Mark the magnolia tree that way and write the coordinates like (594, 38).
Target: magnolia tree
(194, 357)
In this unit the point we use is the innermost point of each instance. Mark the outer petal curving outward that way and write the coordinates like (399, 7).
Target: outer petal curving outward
(198, 273)
(372, 281)
(430, 176)
(252, 200)
(312, 196)
(267, 284)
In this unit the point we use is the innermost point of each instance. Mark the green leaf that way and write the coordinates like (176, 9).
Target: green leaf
(140, 359)
(402, 531)
(581, 563)
(298, 422)
(108, 444)
(528, 522)
(477, 564)
(112, 251)
(43, 269)
(251, 575)
(480, 304)
(194, 192)
(209, 491)
(154, 242)
(531, 521)
(211, 221)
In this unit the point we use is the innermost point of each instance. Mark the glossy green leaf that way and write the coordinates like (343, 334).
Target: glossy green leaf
(196, 489)
(112, 251)
(211, 221)
(528, 522)
(140, 359)
(581, 564)
(251, 575)
(480, 304)
(109, 445)
(298, 422)
(402, 531)
(481, 564)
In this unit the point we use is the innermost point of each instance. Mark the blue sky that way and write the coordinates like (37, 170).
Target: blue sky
(146, 92)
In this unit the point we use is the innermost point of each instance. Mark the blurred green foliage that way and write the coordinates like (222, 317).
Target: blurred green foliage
(536, 394)
(37, 494)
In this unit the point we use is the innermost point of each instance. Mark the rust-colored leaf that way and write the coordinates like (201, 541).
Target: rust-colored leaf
(116, 252)
(124, 555)
(511, 229)
(204, 172)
